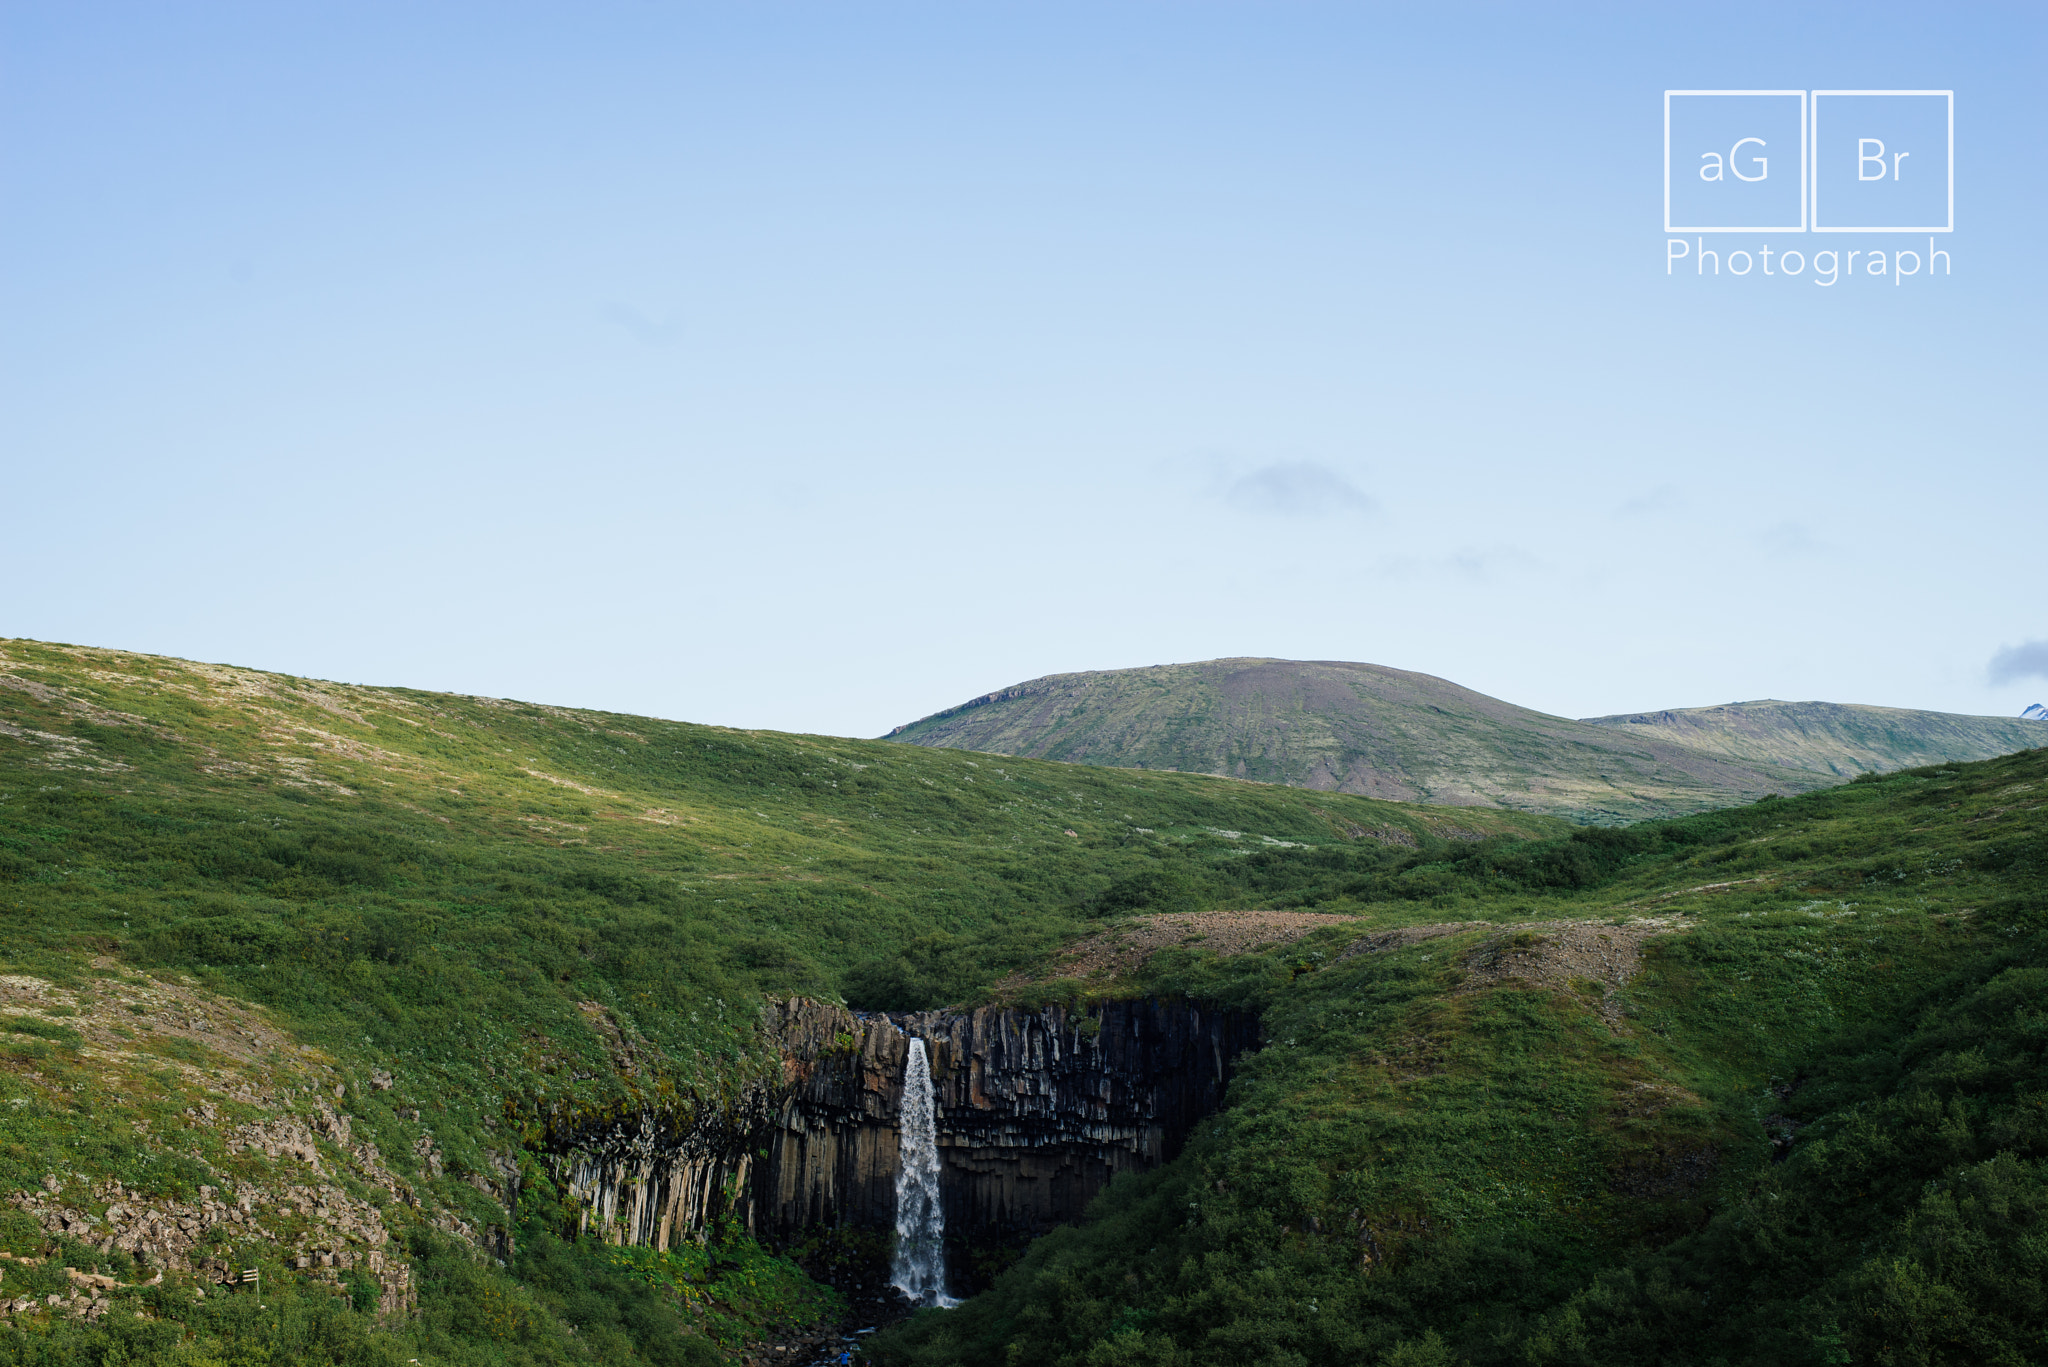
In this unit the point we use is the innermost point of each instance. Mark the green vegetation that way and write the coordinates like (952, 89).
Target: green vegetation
(740, 1289)
(1394, 734)
(1812, 1129)
(474, 917)
(1808, 1127)
(1837, 739)
(567, 1305)
(438, 882)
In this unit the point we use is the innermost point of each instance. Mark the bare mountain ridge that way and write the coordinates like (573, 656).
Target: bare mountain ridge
(1335, 725)
(1839, 739)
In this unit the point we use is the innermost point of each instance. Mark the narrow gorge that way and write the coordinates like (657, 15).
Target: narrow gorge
(1034, 1111)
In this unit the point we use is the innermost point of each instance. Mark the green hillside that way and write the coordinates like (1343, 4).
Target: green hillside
(292, 971)
(228, 894)
(1762, 1086)
(1837, 739)
(1353, 728)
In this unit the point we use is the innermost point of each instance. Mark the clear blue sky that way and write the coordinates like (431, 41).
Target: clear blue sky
(816, 366)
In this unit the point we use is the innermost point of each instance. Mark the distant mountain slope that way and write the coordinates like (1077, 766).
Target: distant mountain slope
(1354, 728)
(1839, 739)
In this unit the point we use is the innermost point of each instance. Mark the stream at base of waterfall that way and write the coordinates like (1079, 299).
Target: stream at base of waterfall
(920, 1269)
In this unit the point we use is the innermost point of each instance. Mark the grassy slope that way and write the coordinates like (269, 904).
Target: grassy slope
(1413, 1172)
(432, 885)
(1353, 728)
(757, 860)
(1837, 739)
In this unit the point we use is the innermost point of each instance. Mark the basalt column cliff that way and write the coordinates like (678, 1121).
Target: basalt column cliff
(1037, 1110)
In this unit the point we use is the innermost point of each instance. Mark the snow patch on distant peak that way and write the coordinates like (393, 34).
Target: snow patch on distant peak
(2035, 713)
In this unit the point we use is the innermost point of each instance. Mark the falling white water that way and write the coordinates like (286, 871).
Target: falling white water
(920, 1271)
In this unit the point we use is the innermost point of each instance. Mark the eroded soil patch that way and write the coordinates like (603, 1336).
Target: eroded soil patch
(1127, 947)
(1561, 955)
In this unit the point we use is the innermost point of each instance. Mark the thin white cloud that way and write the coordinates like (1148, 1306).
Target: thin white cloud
(1471, 563)
(1788, 539)
(1296, 489)
(1662, 499)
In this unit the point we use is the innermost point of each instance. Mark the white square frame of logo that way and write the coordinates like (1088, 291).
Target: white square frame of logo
(1949, 227)
(1805, 179)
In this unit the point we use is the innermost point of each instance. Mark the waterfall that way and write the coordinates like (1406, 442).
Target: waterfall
(920, 1271)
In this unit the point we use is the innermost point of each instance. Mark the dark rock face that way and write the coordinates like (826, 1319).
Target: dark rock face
(1038, 1110)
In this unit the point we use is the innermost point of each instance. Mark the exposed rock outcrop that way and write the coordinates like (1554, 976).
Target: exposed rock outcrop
(299, 1162)
(333, 1230)
(1038, 1110)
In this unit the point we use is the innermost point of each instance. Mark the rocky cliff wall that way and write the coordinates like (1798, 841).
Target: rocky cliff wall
(1038, 1110)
